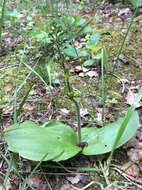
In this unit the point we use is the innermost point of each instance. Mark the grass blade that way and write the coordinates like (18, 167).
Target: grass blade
(23, 101)
(124, 124)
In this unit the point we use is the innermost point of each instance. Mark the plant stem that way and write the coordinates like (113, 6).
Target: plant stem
(70, 92)
(71, 97)
(103, 86)
(121, 47)
(124, 40)
(78, 120)
(2, 20)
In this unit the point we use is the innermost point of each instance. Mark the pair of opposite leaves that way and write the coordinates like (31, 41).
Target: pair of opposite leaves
(57, 141)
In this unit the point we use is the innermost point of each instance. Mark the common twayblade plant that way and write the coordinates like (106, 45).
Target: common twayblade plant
(55, 140)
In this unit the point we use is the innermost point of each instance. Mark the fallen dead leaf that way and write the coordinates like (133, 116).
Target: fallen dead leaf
(7, 123)
(81, 74)
(123, 82)
(133, 170)
(91, 74)
(38, 183)
(28, 108)
(64, 111)
(83, 112)
(68, 187)
(139, 135)
(125, 13)
(78, 69)
(134, 154)
(111, 187)
(131, 96)
(7, 111)
(139, 63)
(85, 69)
(74, 180)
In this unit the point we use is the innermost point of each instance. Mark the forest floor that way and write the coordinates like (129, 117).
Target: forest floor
(81, 172)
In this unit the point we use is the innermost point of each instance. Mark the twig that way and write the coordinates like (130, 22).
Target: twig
(87, 186)
(133, 180)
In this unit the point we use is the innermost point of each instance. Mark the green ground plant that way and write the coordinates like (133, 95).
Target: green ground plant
(2, 11)
(55, 140)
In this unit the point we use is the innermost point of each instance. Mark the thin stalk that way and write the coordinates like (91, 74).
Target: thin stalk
(103, 86)
(15, 169)
(26, 180)
(23, 101)
(71, 94)
(72, 169)
(122, 46)
(104, 173)
(7, 173)
(38, 75)
(78, 120)
(71, 97)
(15, 106)
(70, 91)
(2, 20)
(16, 93)
(124, 40)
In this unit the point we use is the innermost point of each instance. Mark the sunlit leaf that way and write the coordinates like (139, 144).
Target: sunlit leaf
(87, 29)
(136, 3)
(100, 140)
(88, 62)
(54, 139)
(75, 52)
(94, 38)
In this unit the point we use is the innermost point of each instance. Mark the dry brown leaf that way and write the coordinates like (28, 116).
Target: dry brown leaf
(139, 63)
(81, 74)
(28, 108)
(74, 180)
(133, 170)
(64, 111)
(134, 154)
(134, 143)
(125, 13)
(91, 74)
(131, 96)
(7, 110)
(78, 69)
(38, 183)
(68, 187)
(7, 123)
(139, 135)
(111, 187)
(84, 112)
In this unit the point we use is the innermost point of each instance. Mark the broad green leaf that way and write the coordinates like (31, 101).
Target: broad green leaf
(68, 139)
(80, 21)
(54, 139)
(88, 63)
(87, 29)
(74, 52)
(42, 37)
(94, 38)
(101, 140)
(98, 56)
(69, 20)
(136, 3)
